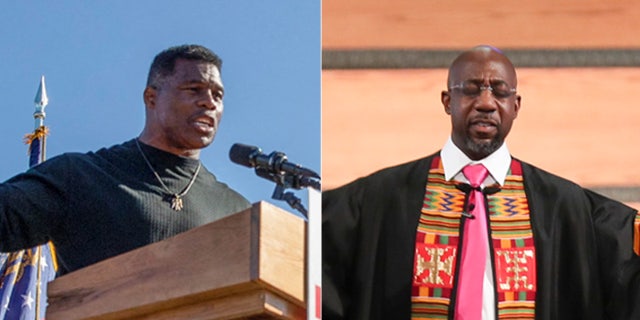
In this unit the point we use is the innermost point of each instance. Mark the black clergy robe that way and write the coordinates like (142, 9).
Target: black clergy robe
(586, 267)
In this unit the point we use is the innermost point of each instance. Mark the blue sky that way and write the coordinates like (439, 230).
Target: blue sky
(95, 56)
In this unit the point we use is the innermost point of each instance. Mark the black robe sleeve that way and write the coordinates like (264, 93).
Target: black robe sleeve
(619, 265)
(368, 240)
(341, 214)
(584, 250)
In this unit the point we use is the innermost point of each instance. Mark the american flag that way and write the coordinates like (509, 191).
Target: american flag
(24, 274)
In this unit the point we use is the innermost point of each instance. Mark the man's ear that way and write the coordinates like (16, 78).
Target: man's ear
(149, 95)
(517, 105)
(445, 98)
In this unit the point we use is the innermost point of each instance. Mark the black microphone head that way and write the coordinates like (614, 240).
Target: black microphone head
(243, 154)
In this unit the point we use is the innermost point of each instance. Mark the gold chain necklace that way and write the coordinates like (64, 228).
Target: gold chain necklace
(176, 198)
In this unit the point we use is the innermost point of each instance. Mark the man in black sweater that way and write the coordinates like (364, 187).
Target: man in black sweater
(97, 205)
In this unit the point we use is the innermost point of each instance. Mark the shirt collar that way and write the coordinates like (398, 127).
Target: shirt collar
(453, 160)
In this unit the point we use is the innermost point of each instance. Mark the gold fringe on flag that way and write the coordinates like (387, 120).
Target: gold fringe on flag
(41, 132)
(54, 255)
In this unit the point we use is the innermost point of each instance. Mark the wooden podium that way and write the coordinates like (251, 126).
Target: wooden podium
(249, 265)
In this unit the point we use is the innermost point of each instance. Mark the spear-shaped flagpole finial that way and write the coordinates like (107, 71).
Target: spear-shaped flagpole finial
(41, 102)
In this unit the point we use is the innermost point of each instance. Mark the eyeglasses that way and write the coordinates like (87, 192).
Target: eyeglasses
(470, 88)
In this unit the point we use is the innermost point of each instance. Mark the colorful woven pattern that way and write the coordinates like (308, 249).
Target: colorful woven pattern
(437, 247)
(442, 205)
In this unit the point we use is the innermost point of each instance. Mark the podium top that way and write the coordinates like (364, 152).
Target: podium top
(261, 248)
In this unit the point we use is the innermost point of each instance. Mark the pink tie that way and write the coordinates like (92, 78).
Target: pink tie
(474, 249)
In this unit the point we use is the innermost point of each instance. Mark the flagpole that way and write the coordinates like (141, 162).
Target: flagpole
(41, 100)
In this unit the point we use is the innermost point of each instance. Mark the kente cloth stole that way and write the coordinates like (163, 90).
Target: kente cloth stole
(437, 252)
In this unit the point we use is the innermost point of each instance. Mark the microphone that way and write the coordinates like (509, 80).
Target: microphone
(274, 163)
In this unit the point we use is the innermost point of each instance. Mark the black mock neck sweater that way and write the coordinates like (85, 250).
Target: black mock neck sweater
(97, 205)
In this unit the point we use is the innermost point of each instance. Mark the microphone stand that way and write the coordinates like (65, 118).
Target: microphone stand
(287, 181)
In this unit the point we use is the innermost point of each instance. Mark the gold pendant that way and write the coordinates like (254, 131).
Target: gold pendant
(176, 202)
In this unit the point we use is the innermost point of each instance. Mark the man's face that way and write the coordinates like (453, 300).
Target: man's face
(480, 122)
(185, 108)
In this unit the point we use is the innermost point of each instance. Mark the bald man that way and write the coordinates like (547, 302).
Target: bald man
(398, 243)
